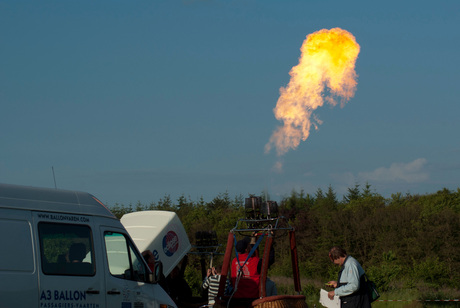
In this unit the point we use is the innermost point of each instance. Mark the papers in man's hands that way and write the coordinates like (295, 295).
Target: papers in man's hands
(326, 302)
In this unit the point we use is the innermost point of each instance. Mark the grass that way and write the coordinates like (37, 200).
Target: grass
(420, 296)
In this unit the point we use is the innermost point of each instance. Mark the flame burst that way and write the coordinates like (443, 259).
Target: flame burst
(327, 60)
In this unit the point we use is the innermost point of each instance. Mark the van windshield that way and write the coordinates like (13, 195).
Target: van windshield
(66, 249)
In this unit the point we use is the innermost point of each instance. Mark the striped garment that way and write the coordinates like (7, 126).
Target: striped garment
(212, 284)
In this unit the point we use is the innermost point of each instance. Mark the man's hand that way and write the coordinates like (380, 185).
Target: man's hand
(332, 284)
(330, 294)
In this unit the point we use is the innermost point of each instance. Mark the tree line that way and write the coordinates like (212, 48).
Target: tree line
(406, 241)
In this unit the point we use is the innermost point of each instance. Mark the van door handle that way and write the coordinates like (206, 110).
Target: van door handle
(113, 292)
(91, 291)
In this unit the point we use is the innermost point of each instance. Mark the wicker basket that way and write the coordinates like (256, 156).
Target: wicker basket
(281, 301)
(278, 301)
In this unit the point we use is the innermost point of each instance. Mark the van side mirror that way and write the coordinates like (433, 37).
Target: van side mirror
(150, 278)
(159, 271)
(157, 275)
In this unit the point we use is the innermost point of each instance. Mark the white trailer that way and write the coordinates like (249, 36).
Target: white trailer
(160, 232)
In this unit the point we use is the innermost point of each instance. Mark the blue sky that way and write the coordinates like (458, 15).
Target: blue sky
(135, 100)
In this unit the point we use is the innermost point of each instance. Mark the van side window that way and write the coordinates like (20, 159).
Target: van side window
(66, 249)
(124, 261)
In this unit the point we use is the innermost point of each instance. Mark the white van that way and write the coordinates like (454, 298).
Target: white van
(65, 249)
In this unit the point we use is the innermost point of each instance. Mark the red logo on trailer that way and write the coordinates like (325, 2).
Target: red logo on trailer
(170, 243)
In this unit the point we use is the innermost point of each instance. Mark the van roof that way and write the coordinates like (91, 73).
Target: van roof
(52, 200)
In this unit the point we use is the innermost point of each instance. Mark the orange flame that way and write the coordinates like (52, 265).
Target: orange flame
(327, 59)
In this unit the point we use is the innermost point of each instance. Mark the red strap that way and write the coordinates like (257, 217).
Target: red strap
(264, 269)
(295, 261)
(225, 265)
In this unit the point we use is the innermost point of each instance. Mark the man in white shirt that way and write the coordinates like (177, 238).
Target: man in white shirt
(351, 283)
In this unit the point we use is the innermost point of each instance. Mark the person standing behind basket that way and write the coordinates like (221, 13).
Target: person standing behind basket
(245, 272)
(211, 283)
